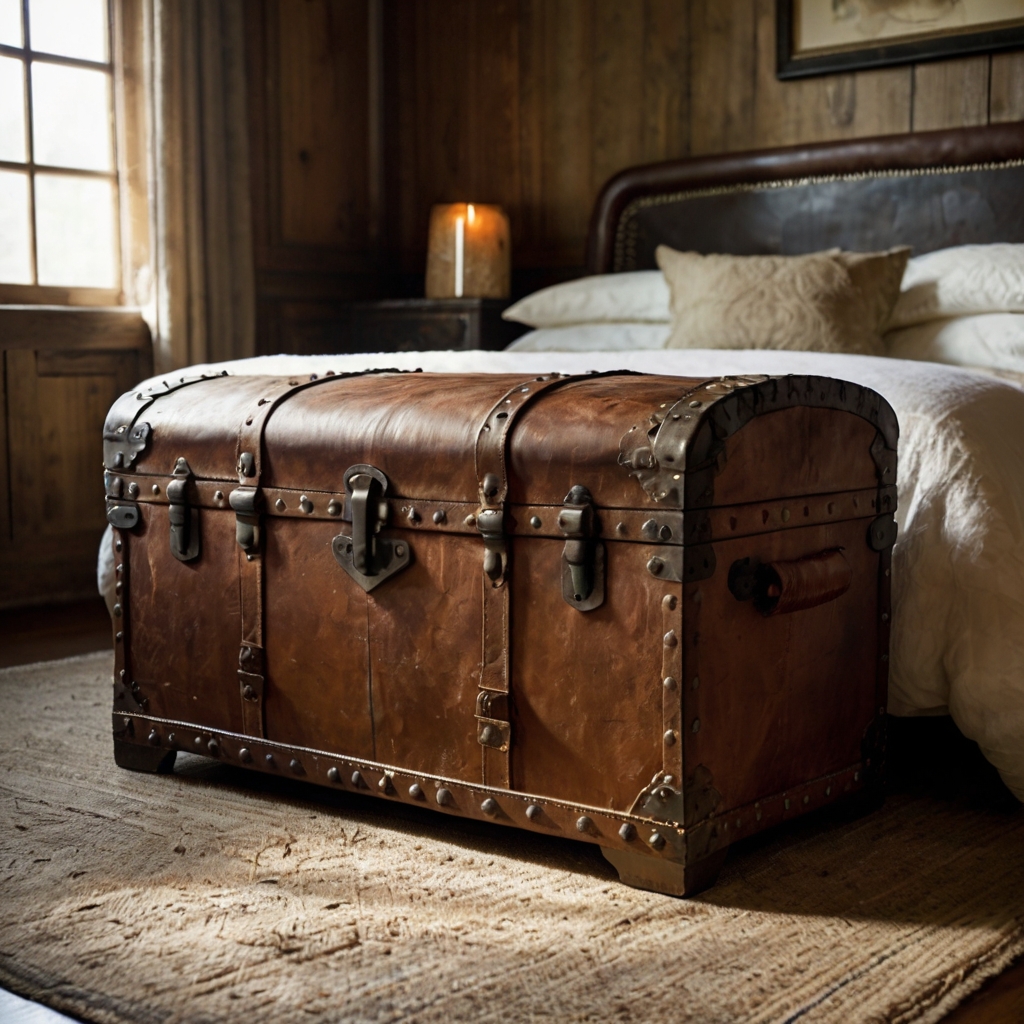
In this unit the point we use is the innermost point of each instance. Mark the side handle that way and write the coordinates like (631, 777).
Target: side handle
(777, 588)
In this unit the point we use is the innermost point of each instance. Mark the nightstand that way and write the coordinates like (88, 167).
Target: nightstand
(414, 325)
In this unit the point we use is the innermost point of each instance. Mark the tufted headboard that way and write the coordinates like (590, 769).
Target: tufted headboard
(928, 190)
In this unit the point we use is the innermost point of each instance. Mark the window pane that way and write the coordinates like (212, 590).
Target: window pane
(15, 250)
(10, 22)
(71, 28)
(75, 231)
(71, 117)
(12, 109)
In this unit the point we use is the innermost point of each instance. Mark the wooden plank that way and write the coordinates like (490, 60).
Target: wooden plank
(54, 327)
(723, 75)
(1006, 97)
(950, 94)
(826, 107)
(666, 99)
(324, 122)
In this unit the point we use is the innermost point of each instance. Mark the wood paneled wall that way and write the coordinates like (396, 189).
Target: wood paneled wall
(366, 112)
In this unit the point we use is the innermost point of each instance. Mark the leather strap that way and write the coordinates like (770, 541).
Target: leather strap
(245, 500)
(493, 714)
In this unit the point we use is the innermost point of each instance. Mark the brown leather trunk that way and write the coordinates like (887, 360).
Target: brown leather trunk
(646, 612)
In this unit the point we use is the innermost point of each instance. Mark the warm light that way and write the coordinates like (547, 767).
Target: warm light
(468, 252)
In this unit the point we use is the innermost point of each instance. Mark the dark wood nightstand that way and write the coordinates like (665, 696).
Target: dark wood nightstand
(415, 325)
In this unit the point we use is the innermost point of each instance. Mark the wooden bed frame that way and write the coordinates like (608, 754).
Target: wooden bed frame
(928, 190)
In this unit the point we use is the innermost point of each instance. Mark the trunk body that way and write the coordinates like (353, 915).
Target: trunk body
(646, 612)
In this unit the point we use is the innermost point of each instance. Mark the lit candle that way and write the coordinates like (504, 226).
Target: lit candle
(460, 254)
(468, 253)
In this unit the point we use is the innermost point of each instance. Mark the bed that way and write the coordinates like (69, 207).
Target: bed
(958, 564)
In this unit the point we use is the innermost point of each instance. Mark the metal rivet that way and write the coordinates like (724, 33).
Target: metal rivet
(269, 759)
(669, 602)
(490, 485)
(533, 812)
(199, 741)
(670, 738)
(154, 738)
(584, 824)
(470, 520)
(696, 405)
(244, 755)
(296, 766)
(696, 682)
(357, 780)
(620, 527)
(669, 683)
(333, 775)
(280, 505)
(785, 515)
(212, 747)
(657, 840)
(535, 522)
(885, 616)
(248, 692)
(155, 488)
(856, 776)
(807, 799)
(444, 796)
(488, 734)
(627, 832)
(118, 587)
(333, 508)
(828, 791)
(412, 515)
(696, 725)
(133, 490)
(117, 611)
(218, 495)
(440, 516)
(665, 533)
(306, 505)
(670, 638)
(399, 550)
(415, 791)
(655, 566)
(489, 807)
(786, 802)
(172, 740)
(117, 545)
(384, 784)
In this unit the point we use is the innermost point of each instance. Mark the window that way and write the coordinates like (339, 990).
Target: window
(58, 179)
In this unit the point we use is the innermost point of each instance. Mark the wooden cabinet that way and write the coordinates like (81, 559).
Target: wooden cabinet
(61, 370)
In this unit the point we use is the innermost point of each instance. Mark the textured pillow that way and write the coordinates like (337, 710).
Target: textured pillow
(964, 279)
(640, 296)
(593, 338)
(825, 301)
(992, 340)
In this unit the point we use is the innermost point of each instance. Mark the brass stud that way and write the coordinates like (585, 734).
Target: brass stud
(489, 807)
(670, 738)
(627, 832)
(584, 824)
(534, 811)
(669, 683)
(416, 791)
(670, 638)
(669, 602)
(244, 755)
(657, 840)
(333, 775)
(444, 796)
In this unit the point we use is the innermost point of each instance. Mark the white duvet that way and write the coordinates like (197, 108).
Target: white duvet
(958, 564)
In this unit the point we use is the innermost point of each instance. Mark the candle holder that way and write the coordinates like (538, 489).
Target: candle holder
(468, 252)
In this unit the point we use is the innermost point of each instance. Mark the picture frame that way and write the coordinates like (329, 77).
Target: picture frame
(819, 37)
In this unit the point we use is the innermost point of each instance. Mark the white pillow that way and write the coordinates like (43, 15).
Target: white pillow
(639, 296)
(593, 338)
(964, 279)
(993, 340)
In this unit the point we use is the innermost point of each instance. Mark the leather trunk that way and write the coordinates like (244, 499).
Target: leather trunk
(646, 612)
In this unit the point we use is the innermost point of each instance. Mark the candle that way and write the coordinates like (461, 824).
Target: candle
(468, 252)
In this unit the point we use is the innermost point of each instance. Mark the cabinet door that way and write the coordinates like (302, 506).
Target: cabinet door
(51, 487)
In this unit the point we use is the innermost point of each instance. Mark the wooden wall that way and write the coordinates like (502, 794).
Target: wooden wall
(365, 112)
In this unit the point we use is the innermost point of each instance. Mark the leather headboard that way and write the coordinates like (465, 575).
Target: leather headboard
(928, 190)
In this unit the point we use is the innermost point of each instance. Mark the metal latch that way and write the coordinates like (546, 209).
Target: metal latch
(184, 519)
(583, 554)
(247, 521)
(366, 556)
(491, 524)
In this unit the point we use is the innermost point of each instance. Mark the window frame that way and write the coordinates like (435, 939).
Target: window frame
(126, 28)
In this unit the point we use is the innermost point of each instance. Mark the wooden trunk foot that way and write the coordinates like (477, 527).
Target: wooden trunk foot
(137, 758)
(645, 872)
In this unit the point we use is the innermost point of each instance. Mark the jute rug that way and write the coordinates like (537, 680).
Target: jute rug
(215, 895)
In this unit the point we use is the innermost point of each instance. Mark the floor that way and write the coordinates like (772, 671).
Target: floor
(38, 634)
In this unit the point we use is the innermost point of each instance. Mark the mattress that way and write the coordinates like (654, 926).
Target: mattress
(958, 563)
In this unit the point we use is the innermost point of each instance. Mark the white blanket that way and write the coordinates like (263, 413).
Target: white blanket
(958, 564)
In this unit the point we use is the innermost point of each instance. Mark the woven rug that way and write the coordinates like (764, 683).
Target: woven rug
(218, 895)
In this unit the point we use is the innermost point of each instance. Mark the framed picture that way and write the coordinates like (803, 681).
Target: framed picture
(816, 37)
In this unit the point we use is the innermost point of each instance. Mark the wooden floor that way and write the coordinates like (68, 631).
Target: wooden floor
(40, 634)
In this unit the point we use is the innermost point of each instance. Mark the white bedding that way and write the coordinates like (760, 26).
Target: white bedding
(958, 564)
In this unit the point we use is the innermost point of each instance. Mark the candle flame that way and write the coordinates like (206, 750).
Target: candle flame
(470, 213)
